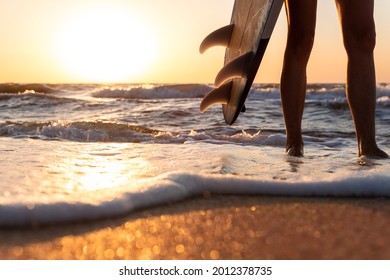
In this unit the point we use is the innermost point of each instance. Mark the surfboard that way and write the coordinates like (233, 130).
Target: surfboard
(245, 39)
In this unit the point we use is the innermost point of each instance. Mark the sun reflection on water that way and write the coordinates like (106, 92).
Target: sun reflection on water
(97, 170)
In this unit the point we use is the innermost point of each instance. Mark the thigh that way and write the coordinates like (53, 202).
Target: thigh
(301, 15)
(357, 21)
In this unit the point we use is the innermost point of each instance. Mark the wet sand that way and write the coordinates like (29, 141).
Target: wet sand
(219, 227)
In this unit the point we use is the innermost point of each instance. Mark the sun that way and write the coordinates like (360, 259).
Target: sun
(105, 44)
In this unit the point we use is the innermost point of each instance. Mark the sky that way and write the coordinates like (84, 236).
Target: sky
(153, 41)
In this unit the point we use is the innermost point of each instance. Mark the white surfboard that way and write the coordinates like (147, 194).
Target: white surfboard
(246, 39)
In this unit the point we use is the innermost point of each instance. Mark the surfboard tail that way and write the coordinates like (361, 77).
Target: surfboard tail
(245, 40)
(220, 95)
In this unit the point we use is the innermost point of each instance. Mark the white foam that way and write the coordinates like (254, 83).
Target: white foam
(384, 101)
(171, 187)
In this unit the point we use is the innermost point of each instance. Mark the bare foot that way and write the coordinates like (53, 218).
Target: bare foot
(374, 153)
(295, 150)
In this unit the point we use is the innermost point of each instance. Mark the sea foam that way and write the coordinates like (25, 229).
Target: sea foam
(172, 187)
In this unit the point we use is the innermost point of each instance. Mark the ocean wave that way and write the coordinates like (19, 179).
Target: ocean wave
(384, 101)
(27, 88)
(173, 187)
(331, 95)
(154, 92)
(125, 133)
(29, 99)
(79, 131)
(327, 92)
(106, 132)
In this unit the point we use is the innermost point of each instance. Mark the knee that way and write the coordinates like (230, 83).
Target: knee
(361, 39)
(300, 44)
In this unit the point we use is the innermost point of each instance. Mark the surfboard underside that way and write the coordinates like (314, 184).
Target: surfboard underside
(245, 39)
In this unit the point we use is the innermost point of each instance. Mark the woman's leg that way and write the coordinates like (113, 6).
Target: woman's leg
(301, 16)
(358, 29)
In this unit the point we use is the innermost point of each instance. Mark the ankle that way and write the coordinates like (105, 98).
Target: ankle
(295, 148)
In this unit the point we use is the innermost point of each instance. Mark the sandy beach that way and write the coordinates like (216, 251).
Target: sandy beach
(219, 227)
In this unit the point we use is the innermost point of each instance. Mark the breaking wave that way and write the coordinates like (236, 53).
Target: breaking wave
(126, 133)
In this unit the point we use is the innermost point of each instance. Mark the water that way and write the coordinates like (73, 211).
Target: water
(84, 152)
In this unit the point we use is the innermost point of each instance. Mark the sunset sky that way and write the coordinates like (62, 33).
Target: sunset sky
(152, 41)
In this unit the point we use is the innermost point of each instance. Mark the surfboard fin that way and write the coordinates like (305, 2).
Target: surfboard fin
(238, 67)
(243, 109)
(220, 95)
(220, 37)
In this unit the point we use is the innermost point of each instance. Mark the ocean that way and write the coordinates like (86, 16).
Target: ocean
(81, 152)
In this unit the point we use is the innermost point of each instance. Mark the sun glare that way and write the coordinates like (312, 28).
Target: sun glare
(106, 44)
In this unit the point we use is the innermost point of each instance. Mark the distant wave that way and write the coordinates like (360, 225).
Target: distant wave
(315, 92)
(29, 98)
(324, 92)
(23, 88)
(155, 92)
(384, 101)
(172, 187)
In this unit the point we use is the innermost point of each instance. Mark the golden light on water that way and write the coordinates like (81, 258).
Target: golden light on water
(108, 174)
(102, 175)
(99, 168)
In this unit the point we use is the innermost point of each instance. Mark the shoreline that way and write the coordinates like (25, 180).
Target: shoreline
(219, 227)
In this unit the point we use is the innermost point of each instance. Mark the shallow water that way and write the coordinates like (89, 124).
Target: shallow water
(79, 152)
